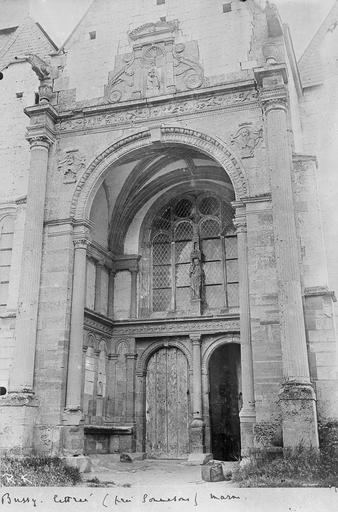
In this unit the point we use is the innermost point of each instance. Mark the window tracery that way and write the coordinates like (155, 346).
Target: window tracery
(194, 255)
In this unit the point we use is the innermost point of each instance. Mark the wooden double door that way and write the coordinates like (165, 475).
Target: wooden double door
(167, 404)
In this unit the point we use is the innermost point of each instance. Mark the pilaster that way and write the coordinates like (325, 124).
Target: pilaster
(247, 414)
(197, 426)
(20, 405)
(274, 101)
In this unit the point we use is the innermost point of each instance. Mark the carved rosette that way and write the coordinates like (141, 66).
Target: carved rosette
(71, 163)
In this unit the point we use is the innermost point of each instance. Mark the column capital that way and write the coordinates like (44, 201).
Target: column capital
(273, 103)
(81, 243)
(39, 141)
(195, 338)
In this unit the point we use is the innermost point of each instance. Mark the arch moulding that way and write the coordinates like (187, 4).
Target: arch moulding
(142, 362)
(214, 345)
(94, 175)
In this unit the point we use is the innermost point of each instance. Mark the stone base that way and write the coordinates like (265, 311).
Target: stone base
(73, 433)
(17, 419)
(299, 414)
(132, 456)
(197, 435)
(247, 423)
(197, 459)
(81, 462)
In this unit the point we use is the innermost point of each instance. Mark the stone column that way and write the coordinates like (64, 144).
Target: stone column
(98, 302)
(197, 426)
(297, 397)
(130, 361)
(74, 374)
(73, 420)
(247, 414)
(133, 292)
(140, 411)
(111, 294)
(22, 374)
(18, 408)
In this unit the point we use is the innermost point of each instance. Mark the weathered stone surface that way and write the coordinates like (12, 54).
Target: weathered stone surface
(142, 113)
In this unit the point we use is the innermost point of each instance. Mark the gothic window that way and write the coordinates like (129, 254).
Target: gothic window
(194, 230)
(6, 243)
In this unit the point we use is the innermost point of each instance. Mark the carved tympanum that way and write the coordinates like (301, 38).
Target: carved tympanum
(157, 65)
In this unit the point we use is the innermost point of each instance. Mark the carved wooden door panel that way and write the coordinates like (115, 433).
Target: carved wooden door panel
(167, 405)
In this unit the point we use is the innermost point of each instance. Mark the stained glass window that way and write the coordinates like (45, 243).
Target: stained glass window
(200, 222)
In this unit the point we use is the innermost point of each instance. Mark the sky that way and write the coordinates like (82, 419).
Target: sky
(59, 17)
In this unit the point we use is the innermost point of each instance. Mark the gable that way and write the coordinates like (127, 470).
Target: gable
(25, 39)
(310, 64)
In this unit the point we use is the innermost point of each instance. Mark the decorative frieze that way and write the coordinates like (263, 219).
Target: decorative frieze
(246, 139)
(71, 163)
(150, 328)
(159, 111)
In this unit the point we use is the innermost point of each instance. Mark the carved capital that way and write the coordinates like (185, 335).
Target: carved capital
(39, 141)
(81, 243)
(196, 339)
(271, 102)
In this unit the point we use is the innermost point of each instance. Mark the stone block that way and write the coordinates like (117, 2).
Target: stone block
(81, 462)
(299, 415)
(131, 456)
(212, 472)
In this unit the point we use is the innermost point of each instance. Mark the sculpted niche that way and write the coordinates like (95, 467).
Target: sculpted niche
(157, 64)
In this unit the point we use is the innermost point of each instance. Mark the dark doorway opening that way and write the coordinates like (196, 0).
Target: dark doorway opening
(225, 402)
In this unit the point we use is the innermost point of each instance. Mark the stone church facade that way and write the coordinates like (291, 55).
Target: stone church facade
(164, 287)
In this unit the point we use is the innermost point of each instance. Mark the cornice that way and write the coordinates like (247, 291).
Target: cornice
(39, 110)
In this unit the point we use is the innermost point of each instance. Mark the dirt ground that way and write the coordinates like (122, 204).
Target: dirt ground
(108, 470)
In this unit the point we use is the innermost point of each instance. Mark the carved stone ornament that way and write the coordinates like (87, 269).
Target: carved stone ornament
(39, 66)
(246, 139)
(156, 65)
(70, 164)
(162, 111)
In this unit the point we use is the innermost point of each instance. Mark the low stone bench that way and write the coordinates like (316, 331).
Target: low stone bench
(108, 439)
